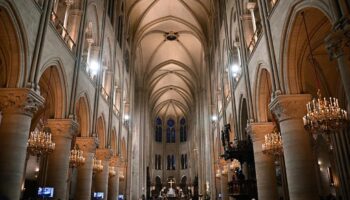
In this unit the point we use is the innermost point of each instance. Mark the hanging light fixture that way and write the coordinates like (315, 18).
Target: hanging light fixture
(40, 142)
(323, 114)
(272, 145)
(112, 171)
(76, 157)
(235, 164)
(97, 166)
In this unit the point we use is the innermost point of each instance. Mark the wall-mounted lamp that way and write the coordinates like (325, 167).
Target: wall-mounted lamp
(235, 70)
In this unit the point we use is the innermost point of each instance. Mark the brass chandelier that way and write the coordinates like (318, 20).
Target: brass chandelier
(112, 171)
(76, 158)
(272, 145)
(323, 114)
(40, 142)
(97, 166)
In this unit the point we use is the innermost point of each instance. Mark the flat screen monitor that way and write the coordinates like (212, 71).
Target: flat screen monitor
(45, 192)
(120, 197)
(98, 195)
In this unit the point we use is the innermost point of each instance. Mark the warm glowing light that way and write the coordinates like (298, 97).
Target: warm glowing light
(214, 118)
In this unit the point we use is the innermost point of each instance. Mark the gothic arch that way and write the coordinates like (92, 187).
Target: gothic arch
(263, 91)
(13, 48)
(83, 115)
(101, 132)
(294, 40)
(53, 78)
(243, 118)
(123, 149)
(114, 141)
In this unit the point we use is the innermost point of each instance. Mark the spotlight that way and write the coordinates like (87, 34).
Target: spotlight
(126, 117)
(94, 67)
(214, 118)
(236, 70)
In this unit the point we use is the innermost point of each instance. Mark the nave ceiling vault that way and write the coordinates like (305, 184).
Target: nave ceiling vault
(169, 38)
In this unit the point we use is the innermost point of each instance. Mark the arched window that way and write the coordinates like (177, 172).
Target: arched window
(158, 162)
(171, 162)
(170, 132)
(183, 130)
(183, 161)
(158, 130)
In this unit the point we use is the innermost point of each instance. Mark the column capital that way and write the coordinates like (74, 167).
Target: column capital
(63, 127)
(20, 100)
(104, 154)
(258, 130)
(335, 43)
(87, 144)
(289, 106)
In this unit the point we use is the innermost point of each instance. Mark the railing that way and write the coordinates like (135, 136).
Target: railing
(63, 32)
(255, 37)
(115, 109)
(272, 4)
(104, 93)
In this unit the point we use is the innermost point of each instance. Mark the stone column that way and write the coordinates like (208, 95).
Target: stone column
(298, 153)
(66, 15)
(84, 176)
(101, 178)
(17, 107)
(251, 7)
(264, 165)
(336, 43)
(113, 182)
(58, 161)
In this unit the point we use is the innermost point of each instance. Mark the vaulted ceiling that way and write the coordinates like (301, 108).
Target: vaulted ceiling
(168, 40)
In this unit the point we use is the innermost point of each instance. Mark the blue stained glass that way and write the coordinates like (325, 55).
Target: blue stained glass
(171, 122)
(158, 121)
(182, 121)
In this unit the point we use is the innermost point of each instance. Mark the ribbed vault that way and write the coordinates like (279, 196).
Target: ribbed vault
(169, 37)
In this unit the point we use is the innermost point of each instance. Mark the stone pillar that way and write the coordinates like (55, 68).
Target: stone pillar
(251, 7)
(84, 176)
(58, 161)
(113, 182)
(298, 153)
(264, 164)
(101, 178)
(336, 43)
(17, 107)
(66, 15)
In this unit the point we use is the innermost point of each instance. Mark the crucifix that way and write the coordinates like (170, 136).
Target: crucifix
(171, 182)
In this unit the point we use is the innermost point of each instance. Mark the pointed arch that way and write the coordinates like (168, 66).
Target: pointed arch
(83, 115)
(101, 132)
(13, 47)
